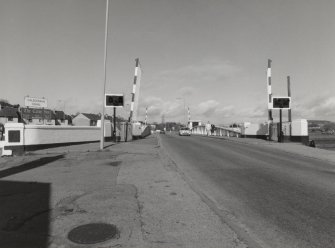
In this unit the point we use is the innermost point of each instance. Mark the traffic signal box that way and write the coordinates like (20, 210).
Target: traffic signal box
(114, 100)
(281, 102)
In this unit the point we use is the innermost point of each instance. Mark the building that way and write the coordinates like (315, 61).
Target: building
(194, 123)
(69, 119)
(35, 116)
(62, 119)
(85, 119)
(9, 114)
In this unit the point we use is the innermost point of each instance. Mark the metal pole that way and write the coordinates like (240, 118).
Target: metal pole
(114, 123)
(126, 138)
(289, 111)
(289, 94)
(280, 126)
(185, 113)
(105, 76)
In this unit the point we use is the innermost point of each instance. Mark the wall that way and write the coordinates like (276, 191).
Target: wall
(140, 130)
(254, 130)
(32, 137)
(297, 131)
(36, 134)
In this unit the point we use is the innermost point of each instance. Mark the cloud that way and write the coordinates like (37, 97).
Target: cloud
(207, 72)
(186, 91)
(154, 105)
(215, 111)
(208, 108)
(321, 107)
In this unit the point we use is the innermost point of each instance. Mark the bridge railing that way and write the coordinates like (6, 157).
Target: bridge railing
(219, 131)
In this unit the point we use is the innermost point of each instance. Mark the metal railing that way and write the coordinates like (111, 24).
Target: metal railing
(218, 131)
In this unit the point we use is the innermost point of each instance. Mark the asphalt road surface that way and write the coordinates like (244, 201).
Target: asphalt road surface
(271, 198)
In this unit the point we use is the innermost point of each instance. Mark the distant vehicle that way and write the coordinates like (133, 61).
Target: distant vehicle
(160, 131)
(185, 131)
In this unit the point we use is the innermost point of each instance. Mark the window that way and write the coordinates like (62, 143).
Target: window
(10, 118)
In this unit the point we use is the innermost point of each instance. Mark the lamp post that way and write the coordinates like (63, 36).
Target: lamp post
(105, 76)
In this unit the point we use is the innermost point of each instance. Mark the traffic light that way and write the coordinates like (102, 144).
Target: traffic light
(281, 102)
(115, 100)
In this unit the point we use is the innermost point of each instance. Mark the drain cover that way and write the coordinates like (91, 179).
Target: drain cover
(93, 233)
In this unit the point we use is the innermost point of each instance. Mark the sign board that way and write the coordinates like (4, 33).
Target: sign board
(34, 102)
(114, 100)
(281, 102)
(31, 113)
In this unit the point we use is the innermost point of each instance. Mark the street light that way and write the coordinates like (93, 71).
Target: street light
(102, 138)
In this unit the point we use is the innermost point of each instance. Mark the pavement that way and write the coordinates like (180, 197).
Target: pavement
(135, 186)
(47, 194)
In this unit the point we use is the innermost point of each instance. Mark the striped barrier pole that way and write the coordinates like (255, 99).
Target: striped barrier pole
(269, 100)
(133, 98)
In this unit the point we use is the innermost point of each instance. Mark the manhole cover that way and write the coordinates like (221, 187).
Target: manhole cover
(93, 233)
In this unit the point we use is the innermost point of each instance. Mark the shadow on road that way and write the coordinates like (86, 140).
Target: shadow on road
(24, 214)
(25, 208)
(28, 166)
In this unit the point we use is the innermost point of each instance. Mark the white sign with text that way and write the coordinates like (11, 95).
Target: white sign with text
(34, 102)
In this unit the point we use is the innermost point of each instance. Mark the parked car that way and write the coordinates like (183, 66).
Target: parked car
(185, 131)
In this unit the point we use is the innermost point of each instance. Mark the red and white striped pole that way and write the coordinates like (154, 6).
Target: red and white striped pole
(146, 116)
(269, 100)
(189, 114)
(269, 91)
(137, 61)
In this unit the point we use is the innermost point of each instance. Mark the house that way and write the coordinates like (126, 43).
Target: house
(38, 116)
(69, 119)
(85, 119)
(9, 114)
(62, 119)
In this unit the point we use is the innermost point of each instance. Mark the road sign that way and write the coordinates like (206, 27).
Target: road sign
(114, 100)
(34, 102)
(281, 102)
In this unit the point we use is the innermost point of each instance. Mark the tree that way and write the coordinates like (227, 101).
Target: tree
(329, 126)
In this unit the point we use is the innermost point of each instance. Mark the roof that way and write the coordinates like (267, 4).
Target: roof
(9, 112)
(93, 117)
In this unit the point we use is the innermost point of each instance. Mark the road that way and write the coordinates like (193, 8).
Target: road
(271, 198)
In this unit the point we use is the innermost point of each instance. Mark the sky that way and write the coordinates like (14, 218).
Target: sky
(209, 56)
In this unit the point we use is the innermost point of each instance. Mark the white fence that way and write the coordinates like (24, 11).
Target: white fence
(218, 131)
